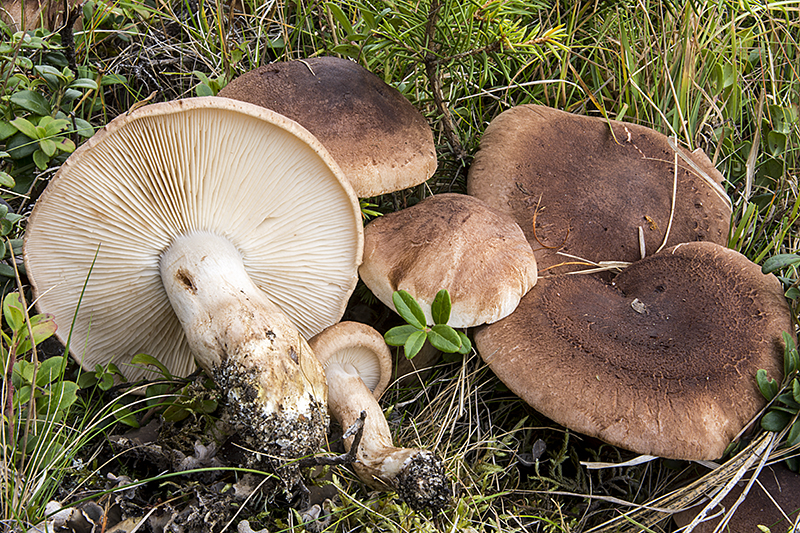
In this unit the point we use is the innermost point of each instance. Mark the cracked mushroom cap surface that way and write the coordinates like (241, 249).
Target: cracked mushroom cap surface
(357, 347)
(454, 242)
(591, 191)
(661, 361)
(378, 138)
(168, 170)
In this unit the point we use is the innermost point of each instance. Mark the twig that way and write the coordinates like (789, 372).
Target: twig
(433, 73)
(357, 429)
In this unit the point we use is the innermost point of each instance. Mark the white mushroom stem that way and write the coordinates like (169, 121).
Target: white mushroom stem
(275, 386)
(417, 475)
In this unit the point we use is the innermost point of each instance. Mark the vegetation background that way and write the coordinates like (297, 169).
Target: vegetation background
(720, 75)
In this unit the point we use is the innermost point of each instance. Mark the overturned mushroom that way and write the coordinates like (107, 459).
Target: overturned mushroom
(378, 138)
(453, 242)
(661, 361)
(357, 366)
(191, 233)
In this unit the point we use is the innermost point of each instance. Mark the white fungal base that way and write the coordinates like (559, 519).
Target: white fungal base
(275, 386)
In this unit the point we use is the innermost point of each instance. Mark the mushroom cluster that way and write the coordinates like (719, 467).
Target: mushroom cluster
(660, 359)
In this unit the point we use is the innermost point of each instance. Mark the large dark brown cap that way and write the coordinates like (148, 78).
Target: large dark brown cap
(453, 242)
(662, 361)
(378, 138)
(594, 193)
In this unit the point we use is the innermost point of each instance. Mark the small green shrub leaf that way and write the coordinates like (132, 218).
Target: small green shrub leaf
(796, 390)
(340, 17)
(414, 343)
(31, 101)
(61, 396)
(466, 344)
(13, 311)
(398, 336)
(768, 387)
(778, 262)
(775, 420)
(83, 128)
(793, 437)
(7, 130)
(444, 338)
(41, 159)
(49, 371)
(440, 308)
(6, 180)
(149, 360)
(83, 83)
(25, 126)
(408, 308)
(124, 415)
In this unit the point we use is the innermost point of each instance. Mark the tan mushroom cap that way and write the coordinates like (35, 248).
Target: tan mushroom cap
(378, 138)
(453, 242)
(594, 193)
(662, 361)
(201, 165)
(357, 345)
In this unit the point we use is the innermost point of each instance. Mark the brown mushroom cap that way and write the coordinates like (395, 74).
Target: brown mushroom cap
(592, 192)
(378, 138)
(453, 242)
(662, 361)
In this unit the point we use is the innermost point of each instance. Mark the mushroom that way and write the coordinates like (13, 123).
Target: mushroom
(594, 189)
(357, 366)
(378, 138)
(453, 242)
(661, 361)
(184, 230)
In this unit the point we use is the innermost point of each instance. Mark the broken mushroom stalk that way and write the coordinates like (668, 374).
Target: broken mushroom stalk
(357, 365)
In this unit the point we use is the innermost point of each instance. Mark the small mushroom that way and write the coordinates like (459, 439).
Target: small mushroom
(661, 361)
(183, 230)
(378, 138)
(357, 366)
(594, 189)
(453, 242)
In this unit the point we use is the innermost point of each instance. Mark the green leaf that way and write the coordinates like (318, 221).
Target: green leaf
(777, 262)
(775, 420)
(204, 90)
(793, 437)
(144, 359)
(66, 145)
(25, 126)
(348, 50)
(42, 326)
(13, 311)
(791, 360)
(340, 17)
(48, 147)
(398, 336)
(124, 415)
(61, 396)
(83, 83)
(768, 387)
(6, 180)
(466, 344)
(796, 390)
(49, 371)
(7, 130)
(440, 308)
(444, 338)
(83, 128)
(408, 308)
(31, 101)
(414, 343)
(41, 159)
